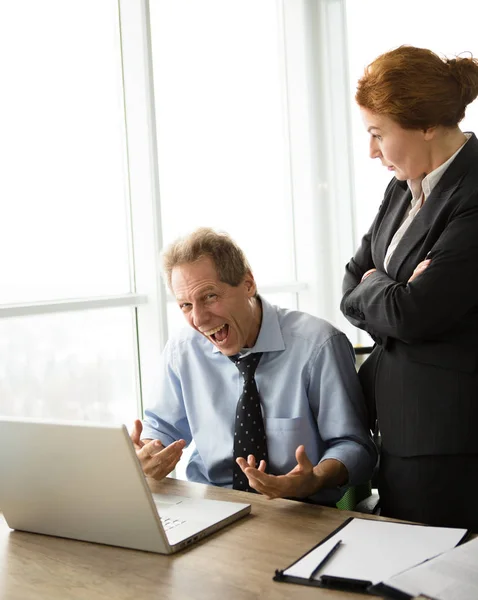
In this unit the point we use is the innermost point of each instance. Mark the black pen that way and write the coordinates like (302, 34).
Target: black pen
(326, 558)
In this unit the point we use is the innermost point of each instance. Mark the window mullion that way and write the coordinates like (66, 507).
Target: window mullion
(152, 328)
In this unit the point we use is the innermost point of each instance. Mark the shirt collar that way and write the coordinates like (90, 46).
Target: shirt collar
(430, 181)
(270, 335)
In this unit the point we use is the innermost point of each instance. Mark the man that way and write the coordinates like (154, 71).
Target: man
(270, 396)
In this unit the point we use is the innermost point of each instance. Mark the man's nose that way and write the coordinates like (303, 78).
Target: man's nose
(199, 315)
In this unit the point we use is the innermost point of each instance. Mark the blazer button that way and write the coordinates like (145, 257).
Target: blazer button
(361, 315)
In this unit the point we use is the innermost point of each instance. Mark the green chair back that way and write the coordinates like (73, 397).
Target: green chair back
(354, 495)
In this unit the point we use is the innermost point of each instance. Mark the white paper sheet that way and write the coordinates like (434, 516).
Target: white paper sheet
(375, 550)
(450, 576)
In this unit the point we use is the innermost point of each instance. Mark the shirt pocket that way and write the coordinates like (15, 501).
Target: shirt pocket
(274, 424)
(283, 436)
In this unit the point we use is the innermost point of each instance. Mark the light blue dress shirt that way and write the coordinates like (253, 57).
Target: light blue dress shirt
(310, 394)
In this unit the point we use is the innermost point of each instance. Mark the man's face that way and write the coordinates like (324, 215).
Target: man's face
(405, 152)
(228, 316)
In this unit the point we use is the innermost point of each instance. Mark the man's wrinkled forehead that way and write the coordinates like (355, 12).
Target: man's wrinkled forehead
(182, 295)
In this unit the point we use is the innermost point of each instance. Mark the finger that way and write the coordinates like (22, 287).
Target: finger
(270, 491)
(262, 466)
(242, 462)
(302, 459)
(171, 452)
(251, 473)
(164, 468)
(136, 433)
(260, 478)
(155, 452)
(270, 485)
(254, 482)
(150, 449)
(251, 461)
(162, 463)
(417, 272)
(423, 265)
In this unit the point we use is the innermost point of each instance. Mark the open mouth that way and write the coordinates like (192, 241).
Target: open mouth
(218, 335)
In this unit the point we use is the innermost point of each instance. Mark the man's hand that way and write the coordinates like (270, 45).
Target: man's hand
(419, 269)
(156, 460)
(301, 482)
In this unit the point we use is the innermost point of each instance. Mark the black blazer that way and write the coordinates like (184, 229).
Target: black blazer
(423, 372)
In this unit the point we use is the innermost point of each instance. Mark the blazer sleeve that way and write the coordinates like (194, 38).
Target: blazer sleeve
(354, 272)
(437, 300)
(358, 265)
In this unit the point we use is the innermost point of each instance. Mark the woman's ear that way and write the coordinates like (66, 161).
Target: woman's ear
(429, 133)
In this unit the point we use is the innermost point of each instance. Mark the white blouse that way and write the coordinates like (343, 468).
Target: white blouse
(421, 189)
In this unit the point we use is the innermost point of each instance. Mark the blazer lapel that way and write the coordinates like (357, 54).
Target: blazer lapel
(399, 203)
(420, 226)
(441, 194)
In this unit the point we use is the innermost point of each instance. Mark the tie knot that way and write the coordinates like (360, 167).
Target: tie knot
(247, 365)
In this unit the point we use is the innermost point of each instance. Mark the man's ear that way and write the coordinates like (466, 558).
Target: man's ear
(250, 284)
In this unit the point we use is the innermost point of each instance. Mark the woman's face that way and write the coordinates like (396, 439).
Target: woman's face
(405, 152)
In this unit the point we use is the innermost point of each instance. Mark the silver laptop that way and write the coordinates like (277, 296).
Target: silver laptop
(85, 482)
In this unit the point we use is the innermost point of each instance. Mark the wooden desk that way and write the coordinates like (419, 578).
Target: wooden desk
(235, 563)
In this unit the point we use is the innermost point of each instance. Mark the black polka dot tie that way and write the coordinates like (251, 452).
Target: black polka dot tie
(249, 432)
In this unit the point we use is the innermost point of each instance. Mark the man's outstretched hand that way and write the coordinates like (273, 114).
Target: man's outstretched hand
(156, 460)
(301, 482)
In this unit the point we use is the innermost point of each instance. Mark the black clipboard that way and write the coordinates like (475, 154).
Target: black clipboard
(361, 586)
(345, 584)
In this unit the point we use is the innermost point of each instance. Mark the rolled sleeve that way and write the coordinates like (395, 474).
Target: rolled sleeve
(359, 460)
(165, 417)
(341, 409)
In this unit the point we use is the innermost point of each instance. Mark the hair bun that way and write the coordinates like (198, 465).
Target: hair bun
(464, 70)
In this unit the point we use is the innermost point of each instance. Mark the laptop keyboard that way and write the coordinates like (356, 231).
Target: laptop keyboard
(169, 523)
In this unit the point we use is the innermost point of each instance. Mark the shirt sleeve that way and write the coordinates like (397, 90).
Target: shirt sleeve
(341, 409)
(165, 417)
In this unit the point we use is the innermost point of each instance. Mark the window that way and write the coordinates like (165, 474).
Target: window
(74, 366)
(64, 219)
(222, 128)
(63, 223)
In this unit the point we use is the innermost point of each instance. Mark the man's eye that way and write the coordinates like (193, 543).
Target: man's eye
(378, 137)
(211, 296)
(185, 306)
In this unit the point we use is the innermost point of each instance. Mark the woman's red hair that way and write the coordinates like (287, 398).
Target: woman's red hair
(417, 88)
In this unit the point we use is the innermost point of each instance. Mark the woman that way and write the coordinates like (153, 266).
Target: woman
(413, 286)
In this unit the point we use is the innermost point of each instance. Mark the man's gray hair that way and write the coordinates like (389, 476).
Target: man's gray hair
(230, 261)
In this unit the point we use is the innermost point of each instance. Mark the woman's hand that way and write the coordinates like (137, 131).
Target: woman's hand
(366, 274)
(419, 269)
